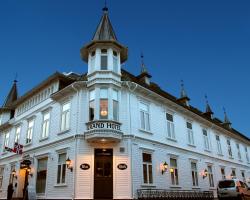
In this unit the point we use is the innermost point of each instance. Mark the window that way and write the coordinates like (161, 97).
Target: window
(238, 149)
(229, 149)
(206, 139)
(243, 176)
(210, 176)
(247, 157)
(115, 62)
(1, 176)
(190, 133)
(41, 175)
(174, 171)
(194, 173)
(170, 126)
(115, 105)
(61, 168)
(218, 144)
(17, 135)
(144, 113)
(11, 177)
(104, 59)
(65, 116)
(104, 104)
(45, 126)
(92, 61)
(147, 168)
(30, 131)
(223, 175)
(233, 174)
(6, 140)
(91, 105)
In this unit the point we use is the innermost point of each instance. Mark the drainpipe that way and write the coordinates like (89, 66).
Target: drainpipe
(75, 137)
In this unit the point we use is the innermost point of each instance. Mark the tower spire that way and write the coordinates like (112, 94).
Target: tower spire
(184, 99)
(143, 67)
(209, 111)
(226, 119)
(12, 96)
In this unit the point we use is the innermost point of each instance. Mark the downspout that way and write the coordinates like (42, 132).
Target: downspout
(77, 114)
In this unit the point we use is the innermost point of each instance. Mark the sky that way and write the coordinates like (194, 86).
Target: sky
(205, 43)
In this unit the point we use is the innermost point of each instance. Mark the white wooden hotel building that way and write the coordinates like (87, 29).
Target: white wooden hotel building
(117, 131)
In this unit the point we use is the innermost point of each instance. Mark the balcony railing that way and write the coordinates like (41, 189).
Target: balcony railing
(153, 194)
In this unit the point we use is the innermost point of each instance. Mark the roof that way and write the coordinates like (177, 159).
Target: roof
(11, 97)
(104, 30)
(126, 76)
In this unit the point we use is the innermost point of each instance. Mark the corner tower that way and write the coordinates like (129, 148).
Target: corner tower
(104, 54)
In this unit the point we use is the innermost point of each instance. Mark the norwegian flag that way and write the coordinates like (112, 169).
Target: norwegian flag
(18, 148)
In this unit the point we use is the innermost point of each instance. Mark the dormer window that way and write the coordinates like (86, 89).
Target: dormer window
(104, 59)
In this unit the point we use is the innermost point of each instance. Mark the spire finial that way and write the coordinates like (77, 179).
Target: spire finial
(105, 8)
(15, 79)
(226, 119)
(208, 108)
(143, 67)
(183, 92)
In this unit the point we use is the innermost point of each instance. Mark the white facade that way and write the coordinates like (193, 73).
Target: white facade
(146, 123)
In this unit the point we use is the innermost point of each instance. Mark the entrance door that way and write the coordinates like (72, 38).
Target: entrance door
(103, 177)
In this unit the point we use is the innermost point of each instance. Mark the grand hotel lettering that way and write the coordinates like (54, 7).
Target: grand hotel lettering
(104, 125)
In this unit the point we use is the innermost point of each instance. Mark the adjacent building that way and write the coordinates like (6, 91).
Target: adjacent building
(107, 133)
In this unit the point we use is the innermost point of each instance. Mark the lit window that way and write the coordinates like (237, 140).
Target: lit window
(206, 139)
(30, 131)
(17, 135)
(238, 149)
(210, 176)
(170, 126)
(61, 168)
(104, 59)
(174, 171)
(229, 148)
(223, 174)
(147, 168)
(194, 174)
(6, 140)
(45, 126)
(91, 105)
(103, 104)
(115, 105)
(41, 175)
(1, 176)
(218, 144)
(144, 115)
(190, 133)
(65, 116)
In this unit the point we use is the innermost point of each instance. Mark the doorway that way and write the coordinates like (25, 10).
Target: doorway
(103, 174)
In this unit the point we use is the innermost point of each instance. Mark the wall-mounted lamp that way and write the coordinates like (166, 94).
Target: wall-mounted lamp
(204, 173)
(29, 171)
(14, 173)
(68, 164)
(164, 167)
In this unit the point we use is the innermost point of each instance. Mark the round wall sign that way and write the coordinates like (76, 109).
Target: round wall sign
(122, 166)
(84, 166)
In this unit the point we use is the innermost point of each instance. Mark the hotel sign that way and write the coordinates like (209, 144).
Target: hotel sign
(104, 125)
(84, 166)
(122, 166)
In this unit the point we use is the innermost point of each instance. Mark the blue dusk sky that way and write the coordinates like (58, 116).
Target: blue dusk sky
(205, 43)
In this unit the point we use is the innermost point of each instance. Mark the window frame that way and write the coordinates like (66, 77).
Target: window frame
(238, 151)
(210, 176)
(104, 54)
(17, 134)
(115, 100)
(6, 140)
(65, 114)
(190, 133)
(1, 176)
(103, 99)
(149, 169)
(30, 131)
(45, 125)
(194, 174)
(218, 144)
(206, 140)
(144, 116)
(63, 167)
(170, 126)
(174, 174)
(229, 148)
